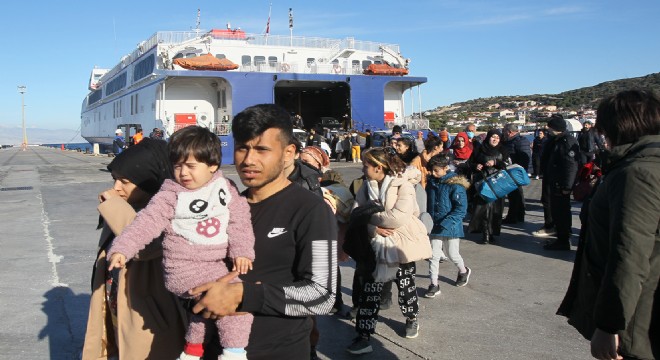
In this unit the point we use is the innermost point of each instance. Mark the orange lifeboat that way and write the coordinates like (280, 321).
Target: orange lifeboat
(228, 34)
(206, 62)
(384, 69)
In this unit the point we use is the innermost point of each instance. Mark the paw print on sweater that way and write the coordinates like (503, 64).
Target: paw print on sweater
(208, 228)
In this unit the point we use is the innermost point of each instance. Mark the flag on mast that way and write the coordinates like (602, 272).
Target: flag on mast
(268, 23)
(290, 18)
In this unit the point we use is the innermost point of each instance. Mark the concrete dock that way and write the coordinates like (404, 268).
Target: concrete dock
(48, 240)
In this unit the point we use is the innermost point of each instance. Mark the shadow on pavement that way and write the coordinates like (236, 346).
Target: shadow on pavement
(58, 331)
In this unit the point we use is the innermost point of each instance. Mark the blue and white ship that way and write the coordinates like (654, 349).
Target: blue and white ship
(358, 82)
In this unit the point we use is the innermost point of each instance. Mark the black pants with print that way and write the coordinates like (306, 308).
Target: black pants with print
(367, 315)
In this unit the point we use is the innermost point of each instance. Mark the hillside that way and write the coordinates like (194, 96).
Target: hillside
(571, 100)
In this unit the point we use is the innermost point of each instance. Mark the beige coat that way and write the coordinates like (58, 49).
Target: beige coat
(150, 320)
(401, 213)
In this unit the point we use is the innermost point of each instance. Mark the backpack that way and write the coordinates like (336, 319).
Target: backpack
(586, 179)
(424, 216)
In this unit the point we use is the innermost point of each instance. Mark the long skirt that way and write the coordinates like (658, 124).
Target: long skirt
(486, 217)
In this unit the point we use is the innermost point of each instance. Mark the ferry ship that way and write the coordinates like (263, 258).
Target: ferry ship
(177, 79)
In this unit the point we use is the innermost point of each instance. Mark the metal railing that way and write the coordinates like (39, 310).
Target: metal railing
(333, 45)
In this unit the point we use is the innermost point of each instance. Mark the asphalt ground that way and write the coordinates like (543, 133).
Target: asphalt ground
(48, 242)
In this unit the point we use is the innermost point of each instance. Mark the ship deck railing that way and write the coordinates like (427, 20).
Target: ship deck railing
(304, 68)
(295, 42)
(409, 123)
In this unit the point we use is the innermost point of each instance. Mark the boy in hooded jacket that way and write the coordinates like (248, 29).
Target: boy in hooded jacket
(447, 205)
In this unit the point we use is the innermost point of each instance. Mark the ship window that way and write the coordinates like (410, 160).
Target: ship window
(191, 55)
(259, 60)
(272, 61)
(366, 63)
(116, 84)
(178, 56)
(134, 104)
(144, 68)
(222, 99)
(377, 62)
(335, 61)
(220, 56)
(246, 60)
(310, 62)
(355, 62)
(95, 96)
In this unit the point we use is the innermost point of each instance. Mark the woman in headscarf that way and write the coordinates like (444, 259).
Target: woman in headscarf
(486, 160)
(461, 148)
(131, 314)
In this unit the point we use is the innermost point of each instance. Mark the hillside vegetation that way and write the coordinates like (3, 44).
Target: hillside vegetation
(587, 97)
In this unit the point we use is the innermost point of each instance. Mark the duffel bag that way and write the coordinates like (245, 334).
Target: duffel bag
(518, 174)
(496, 186)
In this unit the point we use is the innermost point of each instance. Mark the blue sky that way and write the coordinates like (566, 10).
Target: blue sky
(466, 49)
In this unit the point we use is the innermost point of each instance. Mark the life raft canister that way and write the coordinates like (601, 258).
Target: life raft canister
(336, 68)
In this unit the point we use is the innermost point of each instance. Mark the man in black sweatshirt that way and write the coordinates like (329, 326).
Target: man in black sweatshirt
(295, 268)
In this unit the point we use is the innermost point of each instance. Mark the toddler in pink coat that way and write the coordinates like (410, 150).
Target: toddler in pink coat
(205, 223)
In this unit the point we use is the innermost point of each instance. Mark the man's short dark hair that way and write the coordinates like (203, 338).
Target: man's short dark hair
(511, 127)
(197, 141)
(397, 129)
(439, 160)
(255, 120)
(625, 117)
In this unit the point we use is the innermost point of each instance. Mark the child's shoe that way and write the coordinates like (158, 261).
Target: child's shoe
(432, 291)
(463, 278)
(232, 355)
(185, 356)
(412, 328)
(360, 345)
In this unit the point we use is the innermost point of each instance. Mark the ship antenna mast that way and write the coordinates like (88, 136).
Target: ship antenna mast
(198, 22)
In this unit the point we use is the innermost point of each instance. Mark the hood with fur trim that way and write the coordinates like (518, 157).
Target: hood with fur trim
(458, 180)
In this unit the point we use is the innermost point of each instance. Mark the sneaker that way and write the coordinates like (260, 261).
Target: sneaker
(386, 303)
(230, 355)
(352, 313)
(185, 356)
(443, 259)
(313, 355)
(463, 278)
(412, 328)
(432, 291)
(536, 177)
(336, 308)
(359, 346)
(560, 245)
(543, 232)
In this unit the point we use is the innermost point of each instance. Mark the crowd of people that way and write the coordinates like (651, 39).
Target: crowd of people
(257, 267)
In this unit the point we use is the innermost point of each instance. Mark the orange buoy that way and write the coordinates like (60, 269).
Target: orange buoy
(62, 147)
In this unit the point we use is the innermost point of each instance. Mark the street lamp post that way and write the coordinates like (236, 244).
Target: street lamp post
(23, 89)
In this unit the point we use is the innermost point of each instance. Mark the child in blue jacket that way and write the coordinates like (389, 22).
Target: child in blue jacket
(447, 205)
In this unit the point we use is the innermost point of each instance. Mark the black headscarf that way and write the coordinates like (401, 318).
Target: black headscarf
(146, 164)
(490, 150)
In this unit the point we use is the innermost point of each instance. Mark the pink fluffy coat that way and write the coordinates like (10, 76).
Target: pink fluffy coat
(188, 264)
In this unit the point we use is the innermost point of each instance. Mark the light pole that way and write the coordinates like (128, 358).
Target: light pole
(23, 89)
